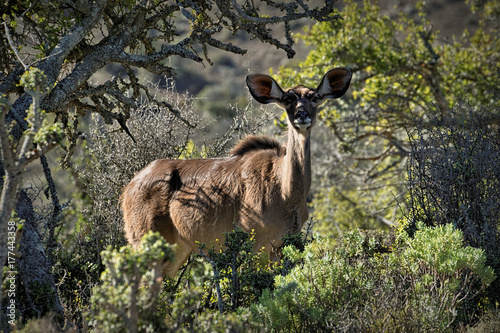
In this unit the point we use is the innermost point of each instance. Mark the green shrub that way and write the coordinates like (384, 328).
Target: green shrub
(312, 296)
(441, 273)
(454, 178)
(355, 286)
(188, 315)
(240, 274)
(133, 297)
(129, 296)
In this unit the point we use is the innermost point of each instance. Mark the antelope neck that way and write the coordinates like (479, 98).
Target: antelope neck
(296, 168)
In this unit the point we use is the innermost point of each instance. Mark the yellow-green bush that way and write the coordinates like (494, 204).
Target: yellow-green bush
(352, 286)
(129, 296)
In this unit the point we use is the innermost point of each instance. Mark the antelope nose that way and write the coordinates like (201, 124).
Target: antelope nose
(302, 120)
(302, 116)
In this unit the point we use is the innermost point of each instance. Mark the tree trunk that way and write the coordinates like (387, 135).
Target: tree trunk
(9, 190)
(34, 267)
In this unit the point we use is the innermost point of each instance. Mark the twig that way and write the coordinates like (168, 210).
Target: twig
(186, 266)
(425, 38)
(12, 46)
(56, 211)
(217, 278)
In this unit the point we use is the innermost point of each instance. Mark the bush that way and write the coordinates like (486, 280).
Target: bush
(239, 274)
(454, 177)
(442, 273)
(128, 297)
(188, 316)
(355, 286)
(488, 323)
(131, 294)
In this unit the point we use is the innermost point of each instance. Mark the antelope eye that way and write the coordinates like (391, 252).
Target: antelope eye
(288, 99)
(315, 98)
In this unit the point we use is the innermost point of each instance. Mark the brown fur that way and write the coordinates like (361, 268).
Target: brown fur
(253, 142)
(260, 187)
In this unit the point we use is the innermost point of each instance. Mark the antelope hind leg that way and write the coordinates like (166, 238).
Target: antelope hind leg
(182, 253)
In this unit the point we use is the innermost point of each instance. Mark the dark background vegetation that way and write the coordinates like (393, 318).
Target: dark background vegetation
(413, 149)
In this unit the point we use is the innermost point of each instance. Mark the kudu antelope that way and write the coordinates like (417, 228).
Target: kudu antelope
(262, 186)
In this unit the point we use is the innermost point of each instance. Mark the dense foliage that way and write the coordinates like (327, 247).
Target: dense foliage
(357, 284)
(360, 285)
(127, 297)
(454, 178)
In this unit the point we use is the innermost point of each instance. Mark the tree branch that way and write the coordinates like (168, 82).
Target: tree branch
(12, 46)
(52, 65)
(166, 51)
(319, 15)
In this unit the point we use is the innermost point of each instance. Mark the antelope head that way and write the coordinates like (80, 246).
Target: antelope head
(301, 103)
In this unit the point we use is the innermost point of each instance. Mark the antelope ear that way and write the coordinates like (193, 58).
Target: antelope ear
(264, 89)
(335, 83)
